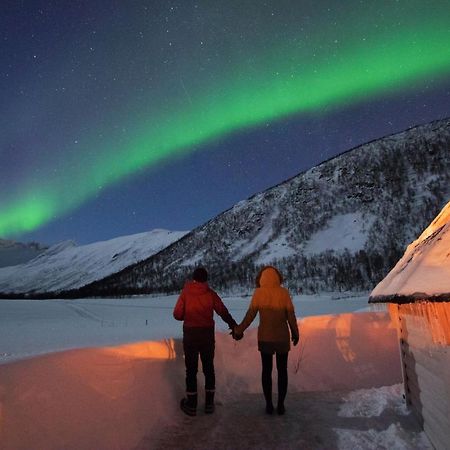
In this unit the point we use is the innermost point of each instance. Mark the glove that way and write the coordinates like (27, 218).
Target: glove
(295, 340)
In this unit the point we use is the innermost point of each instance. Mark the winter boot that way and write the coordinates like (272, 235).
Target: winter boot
(189, 404)
(281, 409)
(269, 407)
(209, 402)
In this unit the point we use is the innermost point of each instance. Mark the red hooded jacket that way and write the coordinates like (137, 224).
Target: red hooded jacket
(196, 305)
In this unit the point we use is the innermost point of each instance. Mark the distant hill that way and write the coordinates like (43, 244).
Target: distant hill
(13, 253)
(339, 226)
(68, 266)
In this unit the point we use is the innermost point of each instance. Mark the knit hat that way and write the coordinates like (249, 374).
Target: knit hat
(200, 274)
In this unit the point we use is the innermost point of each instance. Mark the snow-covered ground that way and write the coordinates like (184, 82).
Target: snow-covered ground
(314, 420)
(123, 391)
(31, 327)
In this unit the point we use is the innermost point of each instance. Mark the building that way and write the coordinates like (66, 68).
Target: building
(418, 293)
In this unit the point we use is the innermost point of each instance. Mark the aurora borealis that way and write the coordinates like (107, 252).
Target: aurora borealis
(123, 109)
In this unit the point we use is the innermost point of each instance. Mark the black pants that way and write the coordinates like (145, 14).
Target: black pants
(199, 342)
(266, 378)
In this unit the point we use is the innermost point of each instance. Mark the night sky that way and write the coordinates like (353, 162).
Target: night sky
(118, 117)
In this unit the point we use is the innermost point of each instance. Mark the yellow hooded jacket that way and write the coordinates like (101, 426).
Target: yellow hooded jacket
(276, 311)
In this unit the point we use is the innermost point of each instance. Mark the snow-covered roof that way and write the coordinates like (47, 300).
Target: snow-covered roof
(423, 273)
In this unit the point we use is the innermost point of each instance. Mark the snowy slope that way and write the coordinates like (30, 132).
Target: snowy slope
(424, 269)
(66, 265)
(339, 226)
(343, 231)
(13, 253)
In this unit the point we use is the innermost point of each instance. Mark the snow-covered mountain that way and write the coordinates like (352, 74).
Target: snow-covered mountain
(13, 253)
(338, 226)
(68, 266)
(424, 270)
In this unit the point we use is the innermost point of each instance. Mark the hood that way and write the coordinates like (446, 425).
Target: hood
(270, 277)
(196, 288)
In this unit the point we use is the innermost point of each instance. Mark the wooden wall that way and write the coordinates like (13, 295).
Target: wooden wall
(424, 332)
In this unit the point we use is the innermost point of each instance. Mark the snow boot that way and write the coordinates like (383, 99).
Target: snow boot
(209, 402)
(189, 404)
(281, 409)
(269, 407)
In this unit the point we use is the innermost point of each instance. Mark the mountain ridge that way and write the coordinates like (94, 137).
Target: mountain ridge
(66, 265)
(340, 225)
(415, 158)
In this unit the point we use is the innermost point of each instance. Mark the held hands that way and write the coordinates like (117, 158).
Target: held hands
(236, 336)
(295, 340)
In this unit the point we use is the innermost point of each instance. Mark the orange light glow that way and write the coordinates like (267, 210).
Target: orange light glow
(145, 350)
(343, 331)
(122, 363)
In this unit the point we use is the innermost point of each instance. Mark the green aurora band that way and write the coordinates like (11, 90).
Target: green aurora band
(278, 84)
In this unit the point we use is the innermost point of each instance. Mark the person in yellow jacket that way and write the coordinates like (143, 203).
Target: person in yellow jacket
(276, 315)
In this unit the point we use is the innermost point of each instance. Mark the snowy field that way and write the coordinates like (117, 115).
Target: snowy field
(32, 327)
(120, 385)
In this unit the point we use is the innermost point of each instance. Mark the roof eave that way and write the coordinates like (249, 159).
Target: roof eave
(416, 297)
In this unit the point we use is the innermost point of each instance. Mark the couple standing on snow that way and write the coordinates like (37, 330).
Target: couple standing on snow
(196, 306)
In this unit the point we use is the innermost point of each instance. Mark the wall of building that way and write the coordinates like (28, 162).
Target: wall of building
(424, 333)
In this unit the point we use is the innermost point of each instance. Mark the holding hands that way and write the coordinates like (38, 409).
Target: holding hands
(237, 336)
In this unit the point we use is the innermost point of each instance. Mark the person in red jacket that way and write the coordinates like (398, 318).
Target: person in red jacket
(195, 306)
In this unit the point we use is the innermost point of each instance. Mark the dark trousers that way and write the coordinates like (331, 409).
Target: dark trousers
(266, 377)
(199, 342)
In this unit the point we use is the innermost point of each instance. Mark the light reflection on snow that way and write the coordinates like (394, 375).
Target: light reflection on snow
(145, 350)
(343, 330)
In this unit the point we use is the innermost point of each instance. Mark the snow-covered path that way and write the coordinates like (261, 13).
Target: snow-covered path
(313, 420)
(126, 397)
